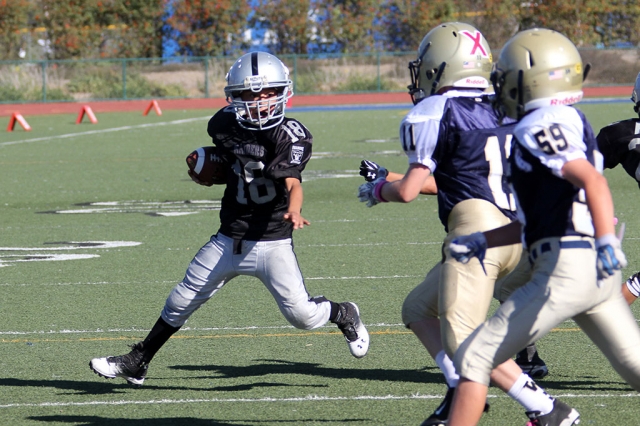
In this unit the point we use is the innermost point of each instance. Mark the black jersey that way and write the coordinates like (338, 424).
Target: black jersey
(619, 143)
(256, 199)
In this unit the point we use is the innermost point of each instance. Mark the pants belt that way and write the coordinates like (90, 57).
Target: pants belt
(545, 247)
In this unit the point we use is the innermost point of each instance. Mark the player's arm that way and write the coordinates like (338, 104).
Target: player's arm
(293, 215)
(582, 174)
(428, 188)
(409, 186)
(371, 170)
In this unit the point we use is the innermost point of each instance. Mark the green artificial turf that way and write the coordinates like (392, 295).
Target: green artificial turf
(99, 221)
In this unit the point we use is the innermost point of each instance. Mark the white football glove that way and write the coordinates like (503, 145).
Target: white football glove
(367, 192)
(610, 256)
(465, 247)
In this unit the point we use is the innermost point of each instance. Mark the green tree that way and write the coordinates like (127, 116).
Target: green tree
(404, 23)
(498, 20)
(288, 22)
(350, 23)
(70, 27)
(13, 25)
(210, 27)
(135, 29)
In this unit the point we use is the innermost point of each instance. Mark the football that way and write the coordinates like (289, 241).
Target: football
(207, 165)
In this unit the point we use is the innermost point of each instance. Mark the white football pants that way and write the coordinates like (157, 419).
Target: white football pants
(272, 262)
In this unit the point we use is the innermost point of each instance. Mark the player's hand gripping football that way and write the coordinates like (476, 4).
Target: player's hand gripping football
(371, 170)
(610, 256)
(465, 247)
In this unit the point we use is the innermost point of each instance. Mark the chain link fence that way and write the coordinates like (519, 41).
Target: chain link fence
(204, 77)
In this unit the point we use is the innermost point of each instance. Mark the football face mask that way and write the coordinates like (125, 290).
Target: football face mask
(247, 81)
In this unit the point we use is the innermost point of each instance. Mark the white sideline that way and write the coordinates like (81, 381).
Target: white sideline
(114, 129)
(296, 399)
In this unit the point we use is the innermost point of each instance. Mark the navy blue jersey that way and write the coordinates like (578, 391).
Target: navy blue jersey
(457, 136)
(256, 199)
(549, 205)
(619, 143)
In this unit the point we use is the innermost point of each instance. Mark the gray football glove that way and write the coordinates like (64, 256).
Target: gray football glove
(610, 256)
(367, 192)
(371, 170)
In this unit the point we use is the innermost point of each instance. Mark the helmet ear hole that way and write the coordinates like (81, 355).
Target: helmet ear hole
(513, 93)
(430, 74)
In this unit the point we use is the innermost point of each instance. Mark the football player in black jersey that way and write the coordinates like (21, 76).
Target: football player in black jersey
(265, 153)
(619, 143)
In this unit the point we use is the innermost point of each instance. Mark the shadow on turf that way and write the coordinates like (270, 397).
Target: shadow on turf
(285, 368)
(99, 421)
(264, 367)
(175, 421)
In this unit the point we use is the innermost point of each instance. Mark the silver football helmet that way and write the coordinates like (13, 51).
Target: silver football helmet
(254, 72)
(537, 68)
(452, 54)
(635, 95)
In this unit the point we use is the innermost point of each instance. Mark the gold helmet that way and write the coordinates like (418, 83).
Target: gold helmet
(537, 68)
(453, 54)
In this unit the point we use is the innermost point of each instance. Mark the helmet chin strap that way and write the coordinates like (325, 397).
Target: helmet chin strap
(585, 73)
(520, 102)
(436, 81)
(414, 72)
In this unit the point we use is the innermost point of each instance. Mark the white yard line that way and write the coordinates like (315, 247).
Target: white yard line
(141, 330)
(99, 131)
(309, 398)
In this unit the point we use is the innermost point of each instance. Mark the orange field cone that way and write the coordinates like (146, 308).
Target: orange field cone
(153, 104)
(86, 109)
(16, 117)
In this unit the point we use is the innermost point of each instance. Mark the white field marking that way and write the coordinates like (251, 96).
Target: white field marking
(389, 277)
(79, 245)
(195, 329)
(8, 260)
(333, 154)
(38, 256)
(364, 277)
(428, 243)
(172, 214)
(308, 398)
(327, 175)
(92, 283)
(100, 131)
(169, 208)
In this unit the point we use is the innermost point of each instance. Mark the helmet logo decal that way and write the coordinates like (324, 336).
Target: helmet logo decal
(297, 153)
(556, 75)
(477, 38)
(567, 100)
